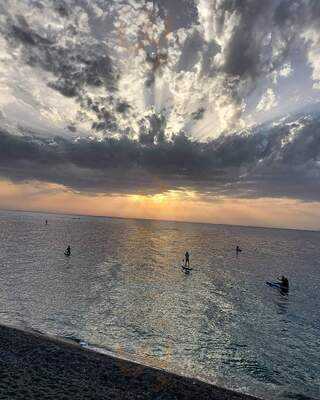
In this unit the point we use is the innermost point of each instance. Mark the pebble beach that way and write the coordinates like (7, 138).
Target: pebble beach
(34, 366)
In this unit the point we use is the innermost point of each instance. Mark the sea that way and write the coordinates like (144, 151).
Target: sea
(123, 291)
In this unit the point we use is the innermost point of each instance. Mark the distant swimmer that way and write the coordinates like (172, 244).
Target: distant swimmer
(46, 222)
(68, 251)
(238, 250)
(186, 260)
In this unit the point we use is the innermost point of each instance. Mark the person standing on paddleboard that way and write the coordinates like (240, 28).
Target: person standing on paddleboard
(186, 260)
(238, 250)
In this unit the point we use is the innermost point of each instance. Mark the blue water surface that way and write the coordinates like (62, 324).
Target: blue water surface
(123, 289)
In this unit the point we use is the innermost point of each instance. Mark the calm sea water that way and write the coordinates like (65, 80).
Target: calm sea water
(122, 290)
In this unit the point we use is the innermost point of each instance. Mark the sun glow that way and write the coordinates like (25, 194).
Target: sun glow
(175, 205)
(164, 198)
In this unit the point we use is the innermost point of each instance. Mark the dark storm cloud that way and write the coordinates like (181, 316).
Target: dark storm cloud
(270, 161)
(242, 55)
(82, 65)
(263, 37)
(74, 66)
(244, 52)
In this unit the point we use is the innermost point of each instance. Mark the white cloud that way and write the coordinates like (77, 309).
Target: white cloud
(312, 38)
(206, 17)
(267, 101)
(285, 71)
(143, 49)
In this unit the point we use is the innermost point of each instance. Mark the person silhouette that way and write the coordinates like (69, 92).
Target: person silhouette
(187, 260)
(284, 282)
(68, 251)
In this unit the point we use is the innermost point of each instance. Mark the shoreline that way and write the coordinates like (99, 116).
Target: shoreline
(37, 366)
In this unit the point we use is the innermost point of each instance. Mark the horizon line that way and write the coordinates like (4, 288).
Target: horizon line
(157, 220)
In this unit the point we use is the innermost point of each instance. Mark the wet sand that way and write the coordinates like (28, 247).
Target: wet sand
(34, 366)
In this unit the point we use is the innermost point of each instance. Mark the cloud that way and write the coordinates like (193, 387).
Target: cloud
(312, 36)
(169, 57)
(267, 101)
(286, 70)
(145, 96)
(275, 160)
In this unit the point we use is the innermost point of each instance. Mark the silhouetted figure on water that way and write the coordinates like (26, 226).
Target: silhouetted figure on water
(68, 251)
(238, 250)
(284, 282)
(283, 285)
(186, 260)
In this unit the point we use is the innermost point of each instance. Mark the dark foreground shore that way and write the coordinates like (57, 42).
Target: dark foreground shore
(33, 366)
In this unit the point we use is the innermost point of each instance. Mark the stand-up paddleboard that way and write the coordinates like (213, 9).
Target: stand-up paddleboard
(186, 270)
(274, 284)
(277, 286)
(67, 254)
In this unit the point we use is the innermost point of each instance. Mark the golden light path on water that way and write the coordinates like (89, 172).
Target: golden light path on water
(172, 205)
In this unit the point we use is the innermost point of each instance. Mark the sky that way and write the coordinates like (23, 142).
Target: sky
(192, 110)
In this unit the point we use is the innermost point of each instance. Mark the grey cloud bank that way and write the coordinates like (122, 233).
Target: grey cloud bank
(272, 160)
